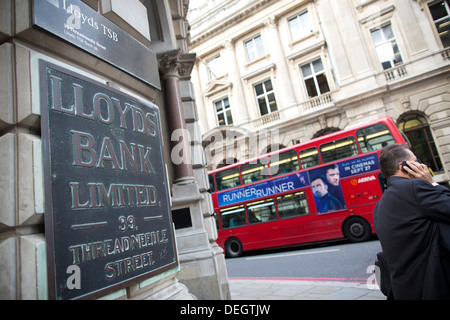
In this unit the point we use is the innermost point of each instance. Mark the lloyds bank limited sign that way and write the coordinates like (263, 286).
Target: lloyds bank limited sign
(107, 206)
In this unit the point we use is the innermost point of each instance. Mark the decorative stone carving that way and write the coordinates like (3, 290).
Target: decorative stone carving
(175, 64)
(406, 104)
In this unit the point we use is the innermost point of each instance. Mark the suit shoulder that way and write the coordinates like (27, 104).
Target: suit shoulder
(416, 183)
(400, 182)
(403, 187)
(420, 183)
(425, 191)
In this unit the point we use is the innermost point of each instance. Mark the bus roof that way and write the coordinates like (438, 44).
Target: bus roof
(306, 143)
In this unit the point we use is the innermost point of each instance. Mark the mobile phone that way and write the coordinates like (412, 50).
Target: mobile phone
(404, 164)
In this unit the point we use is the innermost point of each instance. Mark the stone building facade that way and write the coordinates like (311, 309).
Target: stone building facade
(281, 72)
(159, 76)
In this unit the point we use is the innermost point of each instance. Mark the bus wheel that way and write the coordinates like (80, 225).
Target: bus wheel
(233, 248)
(357, 229)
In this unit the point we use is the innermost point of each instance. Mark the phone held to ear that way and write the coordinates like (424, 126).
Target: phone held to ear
(404, 164)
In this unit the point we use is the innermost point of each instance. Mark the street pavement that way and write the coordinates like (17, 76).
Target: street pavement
(264, 289)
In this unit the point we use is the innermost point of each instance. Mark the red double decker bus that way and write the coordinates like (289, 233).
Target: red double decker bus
(323, 189)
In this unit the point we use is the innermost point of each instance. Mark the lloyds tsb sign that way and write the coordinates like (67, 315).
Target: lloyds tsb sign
(107, 215)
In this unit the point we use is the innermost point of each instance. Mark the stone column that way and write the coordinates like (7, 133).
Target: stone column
(170, 67)
(414, 36)
(286, 97)
(202, 262)
(238, 103)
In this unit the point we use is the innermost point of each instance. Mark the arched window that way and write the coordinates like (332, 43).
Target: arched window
(415, 127)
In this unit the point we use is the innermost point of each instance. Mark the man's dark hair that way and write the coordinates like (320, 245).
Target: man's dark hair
(391, 156)
(332, 166)
(321, 177)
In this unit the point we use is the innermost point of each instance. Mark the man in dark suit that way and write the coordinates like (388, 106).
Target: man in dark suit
(406, 220)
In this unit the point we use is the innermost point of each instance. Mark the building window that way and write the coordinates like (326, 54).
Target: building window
(440, 11)
(300, 26)
(386, 47)
(266, 97)
(223, 112)
(254, 48)
(315, 78)
(416, 128)
(215, 67)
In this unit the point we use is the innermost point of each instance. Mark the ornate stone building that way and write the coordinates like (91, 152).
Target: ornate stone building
(281, 72)
(127, 55)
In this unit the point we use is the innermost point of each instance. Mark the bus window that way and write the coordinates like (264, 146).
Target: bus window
(228, 179)
(309, 158)
(211, 183)
(374, 137)
(252, 172)
(283, 163)
(339, 149)
(261, 211)
(292, 205)
(233, 217)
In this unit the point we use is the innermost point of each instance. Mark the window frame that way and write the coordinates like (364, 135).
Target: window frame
(385, 41)
(303, 32)
(430, 144)
(265, 95)
(210, 65)
(226, 112)
(314, 76)
(435, 22)
(252, 48)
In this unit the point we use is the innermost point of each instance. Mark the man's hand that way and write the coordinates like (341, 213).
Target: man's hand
(419, 171)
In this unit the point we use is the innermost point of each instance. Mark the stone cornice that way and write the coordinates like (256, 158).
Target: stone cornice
(232, 19)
